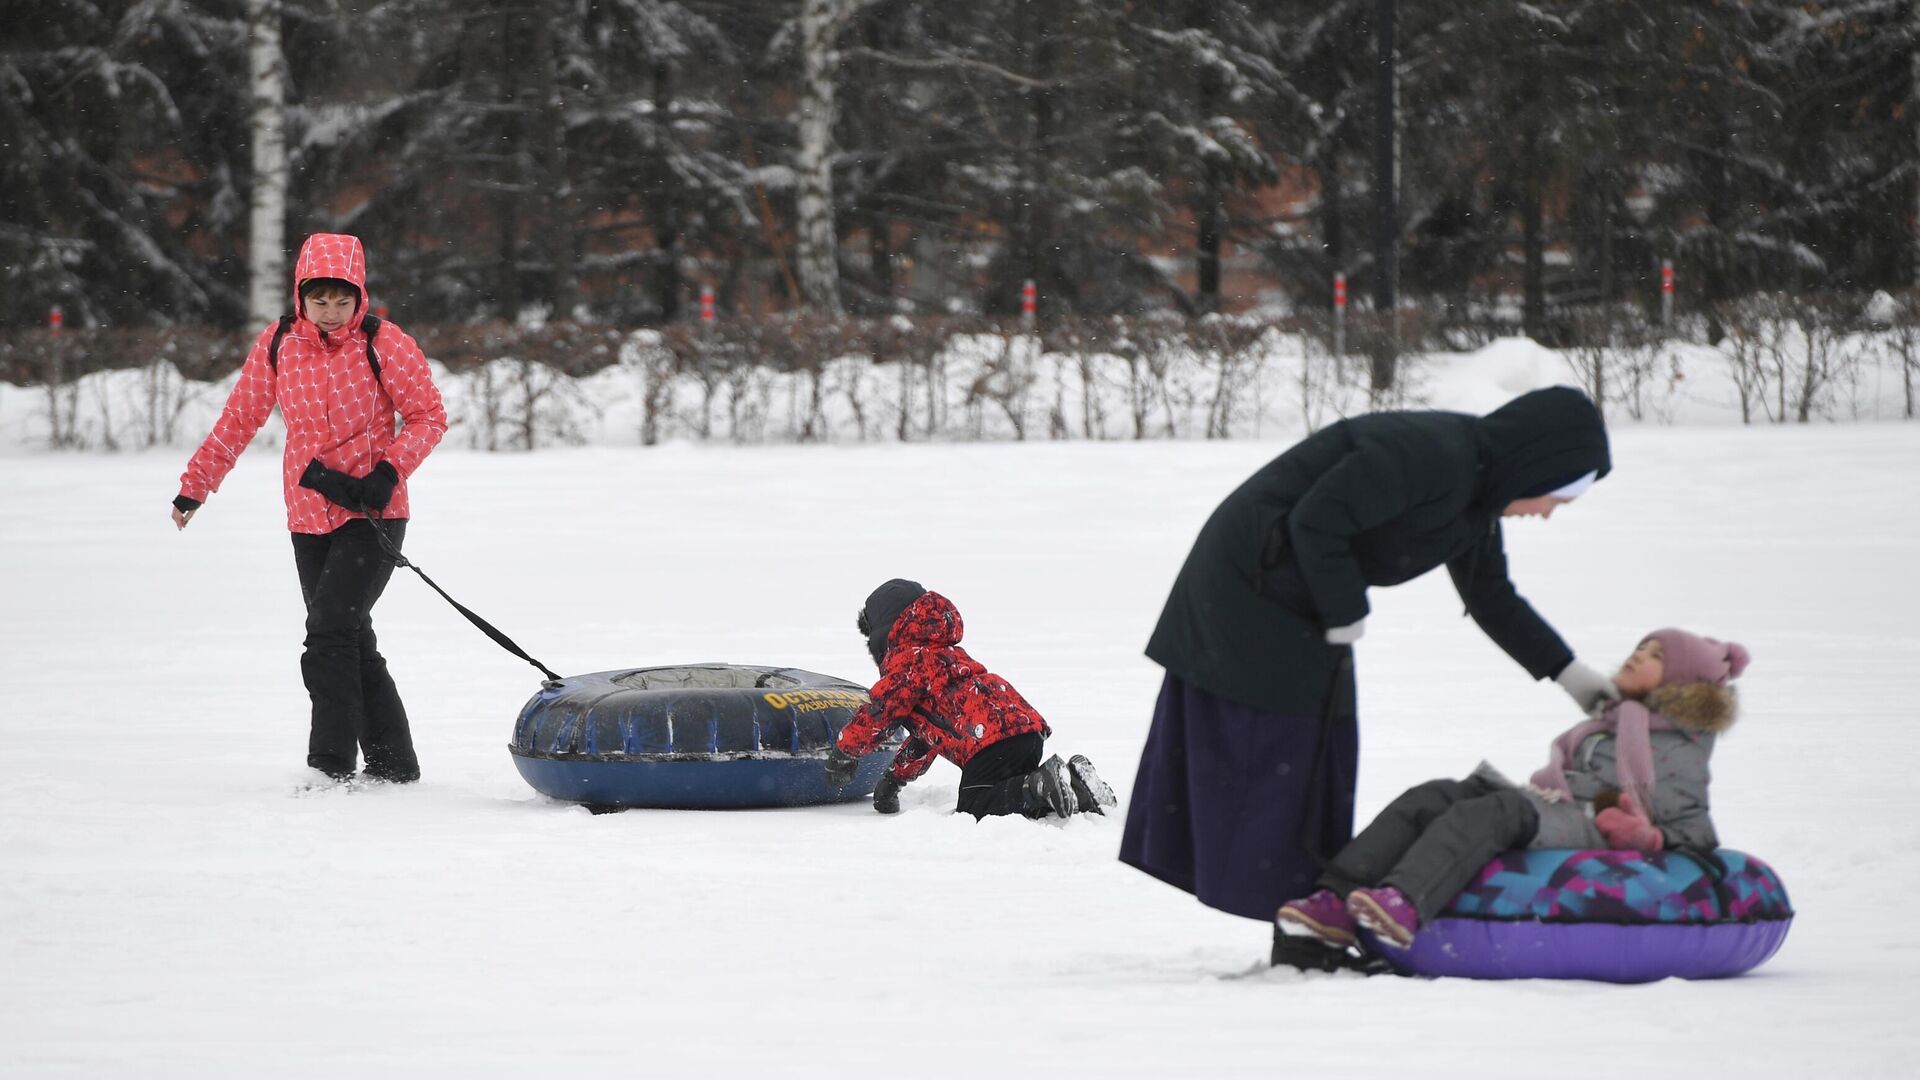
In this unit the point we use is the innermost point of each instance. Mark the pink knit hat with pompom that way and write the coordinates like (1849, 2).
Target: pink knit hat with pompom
(1690, 658)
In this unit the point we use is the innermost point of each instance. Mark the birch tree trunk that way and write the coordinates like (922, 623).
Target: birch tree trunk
(268, 290)
(818, 266)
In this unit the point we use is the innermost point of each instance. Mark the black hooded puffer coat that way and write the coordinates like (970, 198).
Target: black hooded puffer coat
(1377, 499)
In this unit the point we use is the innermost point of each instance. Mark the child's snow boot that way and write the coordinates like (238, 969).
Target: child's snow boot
(1387, 912)
(886, 795)
(1322, 917)
(1048, 790)
(1092, 792)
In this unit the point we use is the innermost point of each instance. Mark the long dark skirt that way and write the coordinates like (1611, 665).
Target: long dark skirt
(1229, 805)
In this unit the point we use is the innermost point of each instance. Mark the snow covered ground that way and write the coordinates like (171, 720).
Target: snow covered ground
(169, 906)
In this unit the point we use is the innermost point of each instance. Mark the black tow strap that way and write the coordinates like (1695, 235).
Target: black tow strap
(487, 628)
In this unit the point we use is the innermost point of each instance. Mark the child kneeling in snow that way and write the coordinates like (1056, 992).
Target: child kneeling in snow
(954, 708)
(1635, 777)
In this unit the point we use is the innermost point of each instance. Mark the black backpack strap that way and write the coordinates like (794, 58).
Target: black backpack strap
(273, 350)
(371, 324)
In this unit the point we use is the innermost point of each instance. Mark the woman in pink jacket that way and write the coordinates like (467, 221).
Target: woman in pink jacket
(339, 376)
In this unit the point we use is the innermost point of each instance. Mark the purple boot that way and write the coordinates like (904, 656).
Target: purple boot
(1322, 916)
(1387, 912)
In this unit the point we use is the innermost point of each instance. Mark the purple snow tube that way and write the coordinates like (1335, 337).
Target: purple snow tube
(1612, 916)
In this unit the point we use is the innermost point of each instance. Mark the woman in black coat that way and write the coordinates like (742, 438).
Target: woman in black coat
(1248, 774)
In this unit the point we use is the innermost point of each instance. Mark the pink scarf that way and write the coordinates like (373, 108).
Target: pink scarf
(1632, 727)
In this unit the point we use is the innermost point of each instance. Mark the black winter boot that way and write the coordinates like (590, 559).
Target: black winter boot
(1092, 792)
(1312, 954)
(1306, 954)
(886, 795)
(1048, 791)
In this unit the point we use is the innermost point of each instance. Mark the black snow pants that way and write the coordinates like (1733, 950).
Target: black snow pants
(356, 707)
(992, 780)
(1431, 841)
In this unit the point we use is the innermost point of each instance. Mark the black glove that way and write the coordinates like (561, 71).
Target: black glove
(185, 505)
(360, 493)
(376, 488)
(840, 768)
(339, 488)
(886, 795)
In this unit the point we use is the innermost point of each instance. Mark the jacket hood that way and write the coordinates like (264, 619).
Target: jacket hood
(332, 255)
(929, 622)
(1539, 441)
(1699, 707)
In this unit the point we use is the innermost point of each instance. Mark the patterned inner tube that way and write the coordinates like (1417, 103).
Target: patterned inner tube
(1613, 916)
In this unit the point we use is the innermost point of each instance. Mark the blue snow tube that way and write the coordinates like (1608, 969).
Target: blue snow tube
(695, 736)
(1612, 916)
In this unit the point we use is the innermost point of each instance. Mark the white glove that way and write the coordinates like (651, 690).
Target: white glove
(1348, 634)
(1589, 689)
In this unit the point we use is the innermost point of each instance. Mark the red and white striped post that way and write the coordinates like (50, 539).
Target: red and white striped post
(1666, 292)
(1339, 314)
(706, 306)
(1029, 301)
(56, 320)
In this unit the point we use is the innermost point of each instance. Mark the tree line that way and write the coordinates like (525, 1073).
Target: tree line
(605, 160)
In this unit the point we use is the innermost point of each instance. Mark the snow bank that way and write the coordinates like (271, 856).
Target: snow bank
(992, 388)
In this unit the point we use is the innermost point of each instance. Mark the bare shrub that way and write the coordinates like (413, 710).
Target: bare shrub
(1904, 337)
(1146, 378)
(1830, 369)
(919, 349)
(1789, 355)
(647, 355)
(1591, 354)
(522, 404)
(63, 405)
(1754, 327)
(1621, 358)
(1385, 341)
(1329, 386)
(1091, 344)
(1007, 377)
(1235, 348)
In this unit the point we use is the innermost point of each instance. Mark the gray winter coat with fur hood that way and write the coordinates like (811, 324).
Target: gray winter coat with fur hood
(1699, 713)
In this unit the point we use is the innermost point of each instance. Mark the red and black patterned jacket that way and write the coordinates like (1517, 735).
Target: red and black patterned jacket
(951, 706)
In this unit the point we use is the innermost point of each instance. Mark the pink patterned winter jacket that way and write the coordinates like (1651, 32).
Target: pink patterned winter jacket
(335, 409)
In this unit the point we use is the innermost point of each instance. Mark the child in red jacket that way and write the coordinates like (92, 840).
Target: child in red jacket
(954, 708)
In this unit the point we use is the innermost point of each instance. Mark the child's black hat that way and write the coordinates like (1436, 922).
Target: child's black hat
(883, 606)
